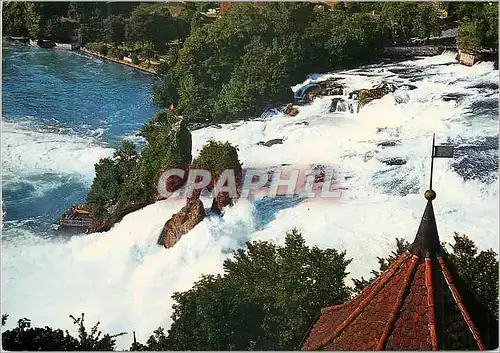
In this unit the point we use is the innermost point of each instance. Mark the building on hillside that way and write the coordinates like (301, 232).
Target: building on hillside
(223, 6)
(418, 303)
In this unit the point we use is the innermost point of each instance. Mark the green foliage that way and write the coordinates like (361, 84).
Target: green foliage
(114, 52)
(153, 24)
(247, 60)
(99, 47)
(102, 48)
(165, 91)
(129, 179)
(90, 16)
(114, 26)
(110, 176)
(469, 36)
(24, 337)
(191, 14)
(405, 20)
(168, 146)
(266, 299)
(479, 270)
(478, 26)
(216, 157)
(20, 18)
(134, 59)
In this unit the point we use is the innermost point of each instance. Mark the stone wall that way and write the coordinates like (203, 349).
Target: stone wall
(409, 52)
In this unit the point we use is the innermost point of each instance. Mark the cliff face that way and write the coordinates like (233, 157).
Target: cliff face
(183, 221)
(215, 157)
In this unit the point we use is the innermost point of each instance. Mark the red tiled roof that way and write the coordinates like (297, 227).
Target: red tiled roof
(414, 305)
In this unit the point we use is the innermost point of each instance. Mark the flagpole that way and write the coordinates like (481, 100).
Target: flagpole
(432, 159)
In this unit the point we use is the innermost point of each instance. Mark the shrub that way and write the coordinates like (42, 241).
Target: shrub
(134, 58)
(216, 157)
(25, 337)
(114, 52)
(168, 146)
(92, 46)
(102, 48)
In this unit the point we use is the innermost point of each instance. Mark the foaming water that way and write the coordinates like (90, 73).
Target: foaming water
(61, 113)
(123, 279)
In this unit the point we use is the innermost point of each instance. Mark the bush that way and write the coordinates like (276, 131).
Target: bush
(92, 46)
(134, 58)
(25, 337)
(102, 48)
(99, 47)
(478, 27)
(114, 52)
(216, 157)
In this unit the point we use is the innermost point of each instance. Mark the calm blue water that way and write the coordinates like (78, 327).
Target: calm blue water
(62, 111)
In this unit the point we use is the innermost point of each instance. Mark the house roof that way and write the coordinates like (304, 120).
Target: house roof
(418, 303)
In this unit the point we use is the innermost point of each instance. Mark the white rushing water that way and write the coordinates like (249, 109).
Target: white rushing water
(123, 279)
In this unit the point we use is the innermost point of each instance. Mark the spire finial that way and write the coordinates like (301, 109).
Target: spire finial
(427, 239)
(430, 195)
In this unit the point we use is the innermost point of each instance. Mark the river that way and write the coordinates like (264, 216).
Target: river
(63, 111)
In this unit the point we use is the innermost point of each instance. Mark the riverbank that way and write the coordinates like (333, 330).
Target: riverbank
(118, 61)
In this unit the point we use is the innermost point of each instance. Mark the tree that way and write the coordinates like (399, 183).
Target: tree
(168, 146)
(90, 16)
(478, 26)
(25, 337)
(114, 26)
(20, 19)
(110, 176)
(191, 13)
(246, 61)
(409, 19)
(266, 299)
(151, 24)
(479, 270)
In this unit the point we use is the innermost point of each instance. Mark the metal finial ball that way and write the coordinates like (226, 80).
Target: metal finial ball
(430, 195)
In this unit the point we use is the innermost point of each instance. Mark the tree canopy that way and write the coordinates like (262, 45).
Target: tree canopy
(266, 299)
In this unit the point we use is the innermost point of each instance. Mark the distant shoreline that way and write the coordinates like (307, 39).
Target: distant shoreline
(89, 52)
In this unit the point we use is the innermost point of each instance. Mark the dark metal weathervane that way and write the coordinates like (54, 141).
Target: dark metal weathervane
(439, 152)
(427, 239)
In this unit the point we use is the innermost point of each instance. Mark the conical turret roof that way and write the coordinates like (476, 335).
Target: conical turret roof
(418, 303)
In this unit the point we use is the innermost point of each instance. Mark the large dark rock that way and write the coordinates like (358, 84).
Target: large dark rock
(270, 142)
(338, 105)
(330, 87)
(183, 221)
(387, 143)
(365, 96)
(394, 161)
(290, 110)
(101, 226)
